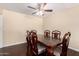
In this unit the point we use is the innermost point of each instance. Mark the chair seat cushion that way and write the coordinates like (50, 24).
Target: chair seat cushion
(41, 48)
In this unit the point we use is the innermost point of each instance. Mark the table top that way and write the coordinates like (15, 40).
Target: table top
(48, 41)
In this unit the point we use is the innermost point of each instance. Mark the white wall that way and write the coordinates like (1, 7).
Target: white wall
(67, 20)
(16, 24)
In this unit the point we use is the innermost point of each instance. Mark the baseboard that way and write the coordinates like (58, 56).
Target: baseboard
(13, 44)
(74, 49)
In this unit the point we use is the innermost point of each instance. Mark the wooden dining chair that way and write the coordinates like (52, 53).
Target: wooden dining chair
(29, 44)
(29, 50)
(47, 33)
(56, 34)
(37, 48)
(62, 51)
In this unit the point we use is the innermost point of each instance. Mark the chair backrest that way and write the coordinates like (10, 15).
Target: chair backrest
(27, 32)
(56, 34)
(34, 43)
(47, 33)
(34, 31)
(65, 44)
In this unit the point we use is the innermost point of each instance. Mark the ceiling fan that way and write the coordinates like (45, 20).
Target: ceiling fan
(40, 9)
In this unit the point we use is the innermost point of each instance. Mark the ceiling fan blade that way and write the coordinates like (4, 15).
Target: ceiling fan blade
(31, 7)
(48, 10)
(39, 5)
(34, 12)
(44, 4)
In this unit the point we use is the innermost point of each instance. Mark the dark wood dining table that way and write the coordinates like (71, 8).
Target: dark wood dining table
(49, 42)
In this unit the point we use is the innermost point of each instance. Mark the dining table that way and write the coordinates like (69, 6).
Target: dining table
(49, 42)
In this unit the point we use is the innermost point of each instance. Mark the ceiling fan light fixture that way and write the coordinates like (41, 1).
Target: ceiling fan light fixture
(39, 13)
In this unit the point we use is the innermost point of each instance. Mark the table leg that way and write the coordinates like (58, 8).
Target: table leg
(50, 51)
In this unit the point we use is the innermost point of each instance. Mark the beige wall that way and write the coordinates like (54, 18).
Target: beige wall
(1, 11)
(67, 20)
(1, 31)
(16, 24)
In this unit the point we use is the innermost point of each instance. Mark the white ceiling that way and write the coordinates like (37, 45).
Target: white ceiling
(22, 7)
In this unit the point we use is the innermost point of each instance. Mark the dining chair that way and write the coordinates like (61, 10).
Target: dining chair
(37, 48)
(29, 50)
(47, 33)
(28, 39)
(56, 34)
(60, 51)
